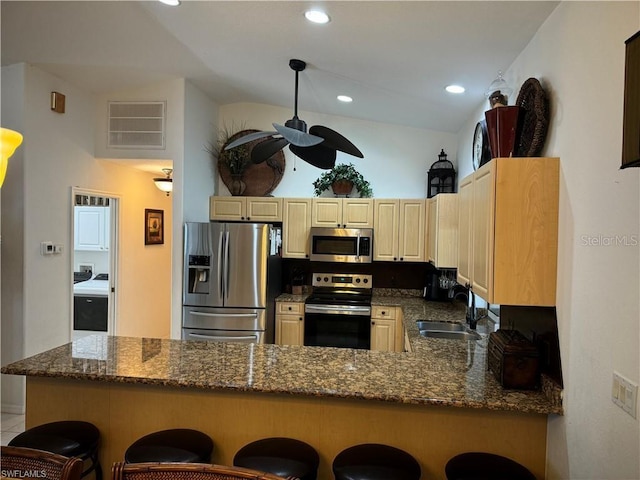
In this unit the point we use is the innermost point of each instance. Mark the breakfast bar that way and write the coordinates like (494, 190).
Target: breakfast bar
(434, 402)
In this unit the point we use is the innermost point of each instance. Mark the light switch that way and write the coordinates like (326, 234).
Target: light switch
(624, 393)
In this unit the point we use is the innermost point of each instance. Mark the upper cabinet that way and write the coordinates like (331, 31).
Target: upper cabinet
(91, 228)
(342, 212)
(442, 233)
(295, 227)
(247, 209)
(399, 230)
(508, 231)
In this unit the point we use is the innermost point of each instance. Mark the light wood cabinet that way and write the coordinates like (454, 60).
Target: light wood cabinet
(248, 209)
(442, 237)
(295, 227)
(342, 212)
(289, 323)
(508, 228)
(399, 230)
(387, 332)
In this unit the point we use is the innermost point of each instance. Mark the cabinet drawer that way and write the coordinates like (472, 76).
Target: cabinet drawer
(289, 307)
(383, 312)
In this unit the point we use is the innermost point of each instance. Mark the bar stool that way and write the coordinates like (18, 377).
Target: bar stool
(372, 461)
(485, 466)
(69, 438)
(180, 445)
(285, 457)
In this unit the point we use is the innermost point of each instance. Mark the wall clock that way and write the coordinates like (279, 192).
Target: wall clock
(480, 151)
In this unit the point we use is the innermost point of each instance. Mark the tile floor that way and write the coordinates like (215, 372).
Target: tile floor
(10, 426)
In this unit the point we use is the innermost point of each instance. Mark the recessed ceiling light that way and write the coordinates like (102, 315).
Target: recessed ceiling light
(172, 3)
(345, 98)
(454, 89)
(316, 16)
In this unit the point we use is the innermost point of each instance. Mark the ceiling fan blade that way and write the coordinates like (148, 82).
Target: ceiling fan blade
(249, 138)
(264, 150)
(333, 139)
(317, 155)
(296, 137)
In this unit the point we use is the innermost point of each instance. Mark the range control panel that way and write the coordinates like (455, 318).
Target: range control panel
(343, 280)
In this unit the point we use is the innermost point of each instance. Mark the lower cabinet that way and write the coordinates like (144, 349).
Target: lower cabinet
(289, 323)
(387, 333)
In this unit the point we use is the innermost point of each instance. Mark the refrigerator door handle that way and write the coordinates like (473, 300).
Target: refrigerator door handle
(225, 271)
(234, 315)
(220, 264)
(223, 338)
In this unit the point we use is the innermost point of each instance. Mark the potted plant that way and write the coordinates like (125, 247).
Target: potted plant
(341, 179)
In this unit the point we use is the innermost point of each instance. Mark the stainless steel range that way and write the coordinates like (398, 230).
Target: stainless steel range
(338, 312)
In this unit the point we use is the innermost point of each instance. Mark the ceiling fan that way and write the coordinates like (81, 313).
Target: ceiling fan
(318, 147)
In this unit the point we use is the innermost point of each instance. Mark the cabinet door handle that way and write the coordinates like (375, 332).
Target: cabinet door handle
(289, 308)
(300, 318)
(373, 323)
(248, 218)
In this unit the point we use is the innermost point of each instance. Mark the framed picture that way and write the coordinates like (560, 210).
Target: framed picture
(153, 227)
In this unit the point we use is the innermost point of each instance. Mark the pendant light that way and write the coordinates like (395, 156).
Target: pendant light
(165, 183)
(9, 141)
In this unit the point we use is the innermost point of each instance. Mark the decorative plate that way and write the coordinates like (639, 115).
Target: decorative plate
(535, 104)
(480, 151)
(259, 179)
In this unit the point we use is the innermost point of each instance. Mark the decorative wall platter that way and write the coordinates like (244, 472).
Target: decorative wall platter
(259, 179)
(535, 108)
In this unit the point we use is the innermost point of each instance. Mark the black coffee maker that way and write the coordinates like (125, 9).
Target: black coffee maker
(432, 290)
(436, 290)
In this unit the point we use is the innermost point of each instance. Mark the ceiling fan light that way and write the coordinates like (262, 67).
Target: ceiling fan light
(454, 89)
(317, 16)
(345, 98)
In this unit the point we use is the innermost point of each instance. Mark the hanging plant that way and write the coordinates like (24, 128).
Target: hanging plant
(342, 178)
(238, 159)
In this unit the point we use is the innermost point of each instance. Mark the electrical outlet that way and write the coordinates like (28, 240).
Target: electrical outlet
(46, 248)
(85, 267)
(624, 393)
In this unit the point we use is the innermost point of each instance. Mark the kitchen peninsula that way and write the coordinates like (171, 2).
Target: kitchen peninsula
(435, 401)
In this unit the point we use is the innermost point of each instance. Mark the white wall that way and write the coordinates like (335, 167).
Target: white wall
(578, 54)
(57, 154)
(396, 159)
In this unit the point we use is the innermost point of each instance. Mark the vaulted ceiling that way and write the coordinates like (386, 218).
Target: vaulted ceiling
(393, 57)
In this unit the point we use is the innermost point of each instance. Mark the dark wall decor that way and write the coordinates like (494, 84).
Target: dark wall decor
(534, 108)
(153, 227)
(631, 123)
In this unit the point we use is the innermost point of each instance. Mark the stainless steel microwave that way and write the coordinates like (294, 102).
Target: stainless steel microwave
(349, 245)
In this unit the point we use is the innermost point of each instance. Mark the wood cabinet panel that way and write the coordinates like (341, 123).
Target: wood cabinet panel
(508, 231)
(442, 237)
(295, 227)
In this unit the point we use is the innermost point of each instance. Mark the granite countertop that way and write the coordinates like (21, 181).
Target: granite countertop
(436, 372)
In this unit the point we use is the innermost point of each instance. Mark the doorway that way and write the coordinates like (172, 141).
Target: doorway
(94, 262)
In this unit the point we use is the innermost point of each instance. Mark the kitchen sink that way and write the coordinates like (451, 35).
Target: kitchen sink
(452, 335)
(439, 326)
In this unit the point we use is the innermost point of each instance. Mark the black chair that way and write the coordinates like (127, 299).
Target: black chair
(372, 461)
(285, 457)
(485, 466)
(69, 438)
(181, 445)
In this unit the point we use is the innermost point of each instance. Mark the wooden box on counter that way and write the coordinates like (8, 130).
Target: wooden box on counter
(513, 359)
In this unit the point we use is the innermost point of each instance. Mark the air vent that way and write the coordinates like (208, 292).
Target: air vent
(136, 124)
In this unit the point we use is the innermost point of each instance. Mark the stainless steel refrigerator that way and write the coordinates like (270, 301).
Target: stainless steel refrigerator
(232, 275)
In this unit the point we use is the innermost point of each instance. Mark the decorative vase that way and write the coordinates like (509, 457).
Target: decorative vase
(504, 125)
(342, 187)
(237, 186)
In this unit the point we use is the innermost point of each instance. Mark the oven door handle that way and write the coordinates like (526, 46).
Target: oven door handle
(337, 309)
